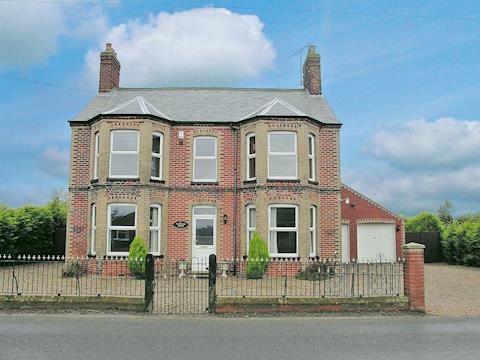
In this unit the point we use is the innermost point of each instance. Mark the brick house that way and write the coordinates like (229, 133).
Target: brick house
(194, 171)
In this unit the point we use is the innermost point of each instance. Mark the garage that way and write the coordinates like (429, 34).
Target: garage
(375, 241)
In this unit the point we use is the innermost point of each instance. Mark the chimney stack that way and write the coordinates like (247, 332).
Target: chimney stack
(109, 70)
(311, 72)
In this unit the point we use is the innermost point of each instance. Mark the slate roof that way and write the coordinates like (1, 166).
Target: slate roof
(209, 105)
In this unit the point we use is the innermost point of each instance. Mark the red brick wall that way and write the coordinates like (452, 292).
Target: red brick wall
(414, 278)
(365, 209)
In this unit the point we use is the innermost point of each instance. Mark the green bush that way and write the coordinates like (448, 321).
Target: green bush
(461, 244)
(317, 271)
(258, 257)
(30, 230)
(136, 258)
(74, 269)
(424, 221)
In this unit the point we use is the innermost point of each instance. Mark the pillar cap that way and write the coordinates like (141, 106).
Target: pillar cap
(413, 246)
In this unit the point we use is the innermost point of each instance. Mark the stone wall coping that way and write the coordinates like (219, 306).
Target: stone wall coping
(413, 246)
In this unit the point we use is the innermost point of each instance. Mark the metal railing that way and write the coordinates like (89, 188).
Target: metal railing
(309, 278)
(60, 276)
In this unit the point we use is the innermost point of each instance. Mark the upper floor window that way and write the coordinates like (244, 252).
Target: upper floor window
(251, 223)
(283, 230)
(205, 159)
(313, 230)
(155, 216)
(251, 157)
(124, 154)
(157, 152)
(282, 155)
(311, 157)
(96, 156)
(122, 219)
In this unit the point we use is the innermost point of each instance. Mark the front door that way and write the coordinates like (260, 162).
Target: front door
(204, 236)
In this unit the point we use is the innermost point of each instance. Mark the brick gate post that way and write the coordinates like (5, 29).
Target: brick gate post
(414, 279)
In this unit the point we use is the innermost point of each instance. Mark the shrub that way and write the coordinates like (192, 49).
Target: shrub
(136, 258)
(258, 257)
(424, 222)
(461, 244)
(75, 269)
(317, 271)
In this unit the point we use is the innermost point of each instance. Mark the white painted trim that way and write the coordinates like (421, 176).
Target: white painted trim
(251, 156)
(96, 156)
(157, 228)
(264, 109)
(249, 227)
(158, 155)
(195, 157)
(207, 217)
(142, 103)
(109, 227)
(93, 231)
(311, 156)
(282, 153)
(123, 152)
(276, 229)
(312, 229)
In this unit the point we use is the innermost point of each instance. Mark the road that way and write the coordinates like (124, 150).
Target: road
(77, 336)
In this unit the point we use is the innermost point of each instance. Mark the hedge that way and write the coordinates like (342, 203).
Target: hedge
(31, 229)
(461, 243)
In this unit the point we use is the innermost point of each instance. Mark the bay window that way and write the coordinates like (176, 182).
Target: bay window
(282, 155)
(251, 223)
(205, 159)
(155, 217)
(283, 230)
(251, 157)
(122, 220)
(124, 154)
(311, 157)
(157, 152)
(313, 230)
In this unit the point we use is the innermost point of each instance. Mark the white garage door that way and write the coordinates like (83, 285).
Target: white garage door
(375, 241)
(345, 243)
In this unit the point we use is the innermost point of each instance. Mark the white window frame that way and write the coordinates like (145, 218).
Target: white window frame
(93, 233)
(282, 153)
(311, 157)
(96, 157)
(276, 229)
(313, 230)
(110, 227)
(195, 157)
(159, 156)
(250, 228)
(123, 152)
(251, 156)
(156, 228)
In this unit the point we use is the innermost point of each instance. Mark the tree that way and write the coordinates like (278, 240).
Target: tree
(445, 213)
(424, 221)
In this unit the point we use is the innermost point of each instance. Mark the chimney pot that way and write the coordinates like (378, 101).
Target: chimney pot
(109, 70)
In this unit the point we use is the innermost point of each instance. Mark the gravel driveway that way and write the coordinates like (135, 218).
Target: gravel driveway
(452, 290)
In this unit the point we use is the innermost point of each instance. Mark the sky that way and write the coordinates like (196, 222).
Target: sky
(403, 78)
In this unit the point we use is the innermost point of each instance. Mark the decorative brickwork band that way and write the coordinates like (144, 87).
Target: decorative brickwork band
(414, 280)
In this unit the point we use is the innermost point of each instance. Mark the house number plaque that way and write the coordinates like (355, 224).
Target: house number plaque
(180, 224)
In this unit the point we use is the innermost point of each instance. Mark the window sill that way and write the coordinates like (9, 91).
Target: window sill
(157, 181)
(137, 179)
(313, 182)
(253, 181)
(158, 256)
(91, 256)
(283, 180)
(94, 181)
(204, 183)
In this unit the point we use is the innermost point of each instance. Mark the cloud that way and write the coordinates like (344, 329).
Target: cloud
(443, 143)
(28, 32)
(416, 166)
(54, 162)
(202, 46)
